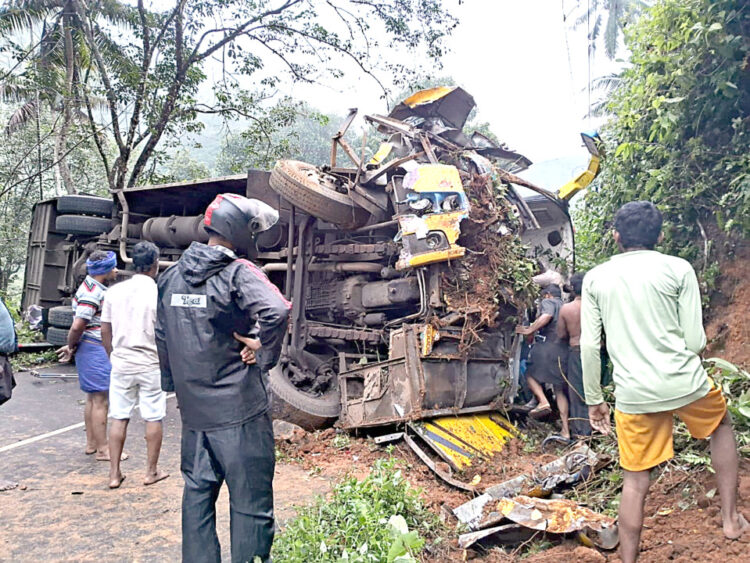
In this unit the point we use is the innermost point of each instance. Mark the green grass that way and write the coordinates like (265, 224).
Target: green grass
(379, 519)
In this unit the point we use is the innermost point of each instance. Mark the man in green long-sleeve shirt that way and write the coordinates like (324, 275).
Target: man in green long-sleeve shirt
(649, 306)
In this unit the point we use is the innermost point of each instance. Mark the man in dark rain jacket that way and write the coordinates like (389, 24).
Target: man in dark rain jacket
(226, 428)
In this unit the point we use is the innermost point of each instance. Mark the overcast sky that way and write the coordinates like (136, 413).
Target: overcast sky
(525, 67)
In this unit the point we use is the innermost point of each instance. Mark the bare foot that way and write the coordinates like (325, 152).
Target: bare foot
(114, 483)
(104, 456)
(152, 478)
(89, 450)
(734, 530)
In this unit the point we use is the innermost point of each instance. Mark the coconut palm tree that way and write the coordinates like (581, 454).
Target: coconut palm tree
(605, 21)
(55, 69)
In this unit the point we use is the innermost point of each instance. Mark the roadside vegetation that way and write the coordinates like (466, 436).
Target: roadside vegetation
(378, 519)
(679, 134)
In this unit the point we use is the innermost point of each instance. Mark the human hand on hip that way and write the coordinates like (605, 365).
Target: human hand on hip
(251, 345)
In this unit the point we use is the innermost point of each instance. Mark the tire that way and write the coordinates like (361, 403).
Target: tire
(84, 205)
(61, 317)
(295, 406)
(57, 336)
(82, 225)
(306, 187)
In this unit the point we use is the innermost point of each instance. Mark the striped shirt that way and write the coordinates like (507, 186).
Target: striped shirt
(87, 305)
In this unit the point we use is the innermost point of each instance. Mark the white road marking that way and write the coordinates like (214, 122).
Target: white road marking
(46, 435)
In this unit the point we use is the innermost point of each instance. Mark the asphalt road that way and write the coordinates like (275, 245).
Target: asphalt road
(63, 509)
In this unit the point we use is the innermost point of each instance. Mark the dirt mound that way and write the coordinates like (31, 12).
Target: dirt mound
(728, 330)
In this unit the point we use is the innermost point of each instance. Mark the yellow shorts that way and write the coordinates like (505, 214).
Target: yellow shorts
(645, 440)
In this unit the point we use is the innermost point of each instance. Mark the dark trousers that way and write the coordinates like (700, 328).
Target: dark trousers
(243, 456)
(578, 411)
(7, 381)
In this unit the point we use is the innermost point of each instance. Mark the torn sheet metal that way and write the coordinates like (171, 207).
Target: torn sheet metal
(508, 533)
(595, 146)
(570, 468)
(559, 516)
(384, 150)
(581, 181)
(445, 475)
(509, 160)
(462, 440)
(450, 104)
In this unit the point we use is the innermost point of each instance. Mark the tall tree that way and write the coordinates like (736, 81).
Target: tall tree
(605, 21)
(26, 179)
(153, 93)
(54, 67)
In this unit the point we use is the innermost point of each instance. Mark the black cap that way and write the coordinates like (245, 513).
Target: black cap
(553, 290)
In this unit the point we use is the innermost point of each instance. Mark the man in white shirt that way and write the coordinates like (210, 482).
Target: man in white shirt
(128, 319)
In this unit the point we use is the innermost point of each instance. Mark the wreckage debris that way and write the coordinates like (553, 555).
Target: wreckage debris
(560, 516)
(488, 515)
(568, 469)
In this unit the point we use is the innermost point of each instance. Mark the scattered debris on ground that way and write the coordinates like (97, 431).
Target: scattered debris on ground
(683, 498)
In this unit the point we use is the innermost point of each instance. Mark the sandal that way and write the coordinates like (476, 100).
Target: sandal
(556, 439)
(540, 411)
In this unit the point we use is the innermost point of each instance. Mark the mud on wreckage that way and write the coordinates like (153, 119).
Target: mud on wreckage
(407, 272)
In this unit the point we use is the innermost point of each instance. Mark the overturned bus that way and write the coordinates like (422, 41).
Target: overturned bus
(375, 256)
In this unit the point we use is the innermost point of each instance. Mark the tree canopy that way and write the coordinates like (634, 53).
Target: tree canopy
(680, 133)
(146, 62)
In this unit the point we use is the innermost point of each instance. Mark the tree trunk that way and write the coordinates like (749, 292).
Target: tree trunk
(58, 180)
(62, 135)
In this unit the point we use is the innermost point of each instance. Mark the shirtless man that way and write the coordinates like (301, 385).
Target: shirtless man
(547, 358)
(569, 328)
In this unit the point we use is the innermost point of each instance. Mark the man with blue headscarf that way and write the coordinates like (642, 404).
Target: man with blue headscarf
(85, 342)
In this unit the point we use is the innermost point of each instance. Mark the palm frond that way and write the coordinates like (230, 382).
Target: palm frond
(587, 14)
(594, 35)
(18, 17)
(20, 117)
(606, 83)
(16, 89)
(599, 107)
(613, 29)
(117, 58)
(117, 13)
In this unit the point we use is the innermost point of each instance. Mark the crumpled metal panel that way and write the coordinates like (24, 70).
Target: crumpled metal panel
(451, 104)
(429, 235)
(479, 512)
(463, 440)
(559, 516)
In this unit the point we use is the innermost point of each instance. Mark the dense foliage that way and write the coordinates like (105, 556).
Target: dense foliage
(680, 133)
(377, 519)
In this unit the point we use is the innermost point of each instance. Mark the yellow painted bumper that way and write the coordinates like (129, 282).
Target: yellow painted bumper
(461, 440)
